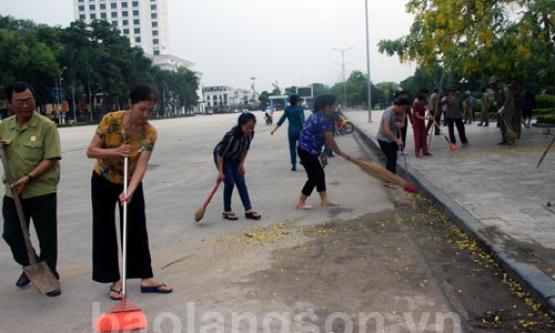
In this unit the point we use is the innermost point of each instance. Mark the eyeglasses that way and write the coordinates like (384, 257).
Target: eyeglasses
(21, 102)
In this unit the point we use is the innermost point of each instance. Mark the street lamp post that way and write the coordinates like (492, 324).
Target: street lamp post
(253, 93)
(368, 63)
(60, 97)
(343, 73)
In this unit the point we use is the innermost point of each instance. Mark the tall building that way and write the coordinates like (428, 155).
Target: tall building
(144, 22)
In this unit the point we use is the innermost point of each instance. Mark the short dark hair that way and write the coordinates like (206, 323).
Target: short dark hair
(143, 92)
(401, 101)
(322, 101)
(421, 96)
(17, 87)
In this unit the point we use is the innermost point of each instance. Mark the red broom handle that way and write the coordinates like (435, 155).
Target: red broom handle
(212, 193)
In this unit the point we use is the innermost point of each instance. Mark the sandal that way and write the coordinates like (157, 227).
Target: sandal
(229, 216)
(156, 289)
(391, 186)
(253, 215)
(329, 204)
(112, 290)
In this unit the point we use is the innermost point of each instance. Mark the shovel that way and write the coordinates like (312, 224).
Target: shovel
(38, 272)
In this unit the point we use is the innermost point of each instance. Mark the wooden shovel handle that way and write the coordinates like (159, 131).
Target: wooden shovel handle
(18, 207)
(545, 152)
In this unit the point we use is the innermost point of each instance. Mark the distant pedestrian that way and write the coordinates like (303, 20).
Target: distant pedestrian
(229, 156)
(502, 100)
(468, 108)
(419, 108)
(435, 112)
(484, 118)
(294, 112)
(393, 120)
(528, 105)
(317, 133)
(454, 116)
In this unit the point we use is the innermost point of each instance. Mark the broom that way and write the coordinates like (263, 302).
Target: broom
(451, 145)
(378, 171)
(545, 152)
(124, 316)
(200, 212)
(511, 134)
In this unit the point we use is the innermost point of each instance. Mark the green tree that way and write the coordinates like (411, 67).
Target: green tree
(480, 38)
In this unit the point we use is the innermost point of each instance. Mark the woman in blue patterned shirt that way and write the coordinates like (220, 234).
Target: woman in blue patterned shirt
(317, 132)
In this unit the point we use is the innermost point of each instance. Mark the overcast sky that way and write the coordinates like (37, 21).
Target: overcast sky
(289, 41)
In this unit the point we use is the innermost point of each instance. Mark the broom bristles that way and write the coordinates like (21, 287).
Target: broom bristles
(380, 172)
(511, 134)
(123, 317)
(199, 214)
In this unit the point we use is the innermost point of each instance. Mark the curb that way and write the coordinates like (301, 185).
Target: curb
(540, 285)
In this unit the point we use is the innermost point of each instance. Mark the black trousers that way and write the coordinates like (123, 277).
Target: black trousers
(389, 149)
(43, 211)
(314, 171)
(460, 128)
(105, 196)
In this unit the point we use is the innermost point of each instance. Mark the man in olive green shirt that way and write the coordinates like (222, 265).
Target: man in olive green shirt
(32, 146)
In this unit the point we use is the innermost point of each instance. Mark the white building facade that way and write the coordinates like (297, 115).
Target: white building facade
(225, 98)
(144, 22)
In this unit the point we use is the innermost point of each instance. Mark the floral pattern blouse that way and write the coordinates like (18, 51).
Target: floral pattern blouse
(112, 133)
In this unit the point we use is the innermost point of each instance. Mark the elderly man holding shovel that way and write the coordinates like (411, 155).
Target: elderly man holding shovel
(30, 148)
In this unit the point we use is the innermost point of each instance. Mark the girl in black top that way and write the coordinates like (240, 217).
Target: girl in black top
(229, 156)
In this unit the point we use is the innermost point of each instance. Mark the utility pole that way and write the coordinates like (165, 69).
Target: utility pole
(368, 63)
(343, 72)
(253, 93)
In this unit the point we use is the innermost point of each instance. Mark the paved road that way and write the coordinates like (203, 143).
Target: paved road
(498, 192)
(181, 174)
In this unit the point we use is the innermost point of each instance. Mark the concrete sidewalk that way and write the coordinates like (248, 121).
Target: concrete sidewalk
(495, 193)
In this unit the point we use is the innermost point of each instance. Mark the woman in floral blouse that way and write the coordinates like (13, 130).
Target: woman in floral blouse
(123, 134)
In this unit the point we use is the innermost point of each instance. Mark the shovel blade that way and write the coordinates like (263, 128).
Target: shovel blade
(42, 277)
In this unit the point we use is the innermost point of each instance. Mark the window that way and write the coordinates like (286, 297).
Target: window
(82, 17)
(102, 6)
(81, 1)
(155, 33)
(136, 21)
(153, 7)
(92, 7)
(81, 8)
(137, 30)
(124, 5)
(136, 13)
(114, 14)
(93, 16)
(156, 52)
(135, 3)
(155, 24)
(103, 16)
(115, 24)
(137, 39)
(125, 22)
(114, 5)
(126, 31)
(153, 16)
(125, 13)
(155, 41)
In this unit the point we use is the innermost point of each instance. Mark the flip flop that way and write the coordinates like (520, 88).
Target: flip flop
(155, 289)
(112, 290)
(304, 207)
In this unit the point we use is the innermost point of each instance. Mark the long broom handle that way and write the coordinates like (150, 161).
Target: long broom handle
(19, 208)
(440, 131)
(545, 152)
(124, 231)
(211, 194)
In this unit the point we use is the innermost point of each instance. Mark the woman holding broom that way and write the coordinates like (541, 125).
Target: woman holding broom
(317, 132)
(123, 134)
(229, 156)
(393, 121)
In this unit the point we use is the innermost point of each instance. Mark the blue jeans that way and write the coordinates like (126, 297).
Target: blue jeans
(233, 177)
